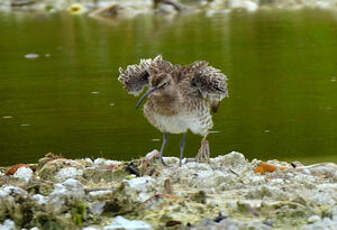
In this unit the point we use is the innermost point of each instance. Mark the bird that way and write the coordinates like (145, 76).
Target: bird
(179, 97)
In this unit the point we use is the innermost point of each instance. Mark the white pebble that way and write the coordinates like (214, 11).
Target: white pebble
(313, 219)
(99, 194)
(23, 173)
(7, 225)
(88, 160)
(121, 223)
(102, 161)
(91, 228)
(68, 172)
(247, 5)
(140, 184)
(9, 191)
(40, 199)
(34, 228)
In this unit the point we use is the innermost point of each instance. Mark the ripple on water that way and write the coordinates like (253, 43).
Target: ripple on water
(31, 56)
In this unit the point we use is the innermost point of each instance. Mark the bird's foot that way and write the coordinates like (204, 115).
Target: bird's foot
(203, 153)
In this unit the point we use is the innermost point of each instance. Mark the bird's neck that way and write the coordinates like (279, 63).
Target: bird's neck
(164, 98)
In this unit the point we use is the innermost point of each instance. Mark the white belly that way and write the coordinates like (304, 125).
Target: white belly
(180, 123)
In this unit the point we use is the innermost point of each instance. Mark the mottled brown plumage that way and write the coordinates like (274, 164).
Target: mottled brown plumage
(179, 97)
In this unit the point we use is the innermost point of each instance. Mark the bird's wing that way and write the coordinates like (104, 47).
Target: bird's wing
(210, 82)
(160, 67)
(135, 77)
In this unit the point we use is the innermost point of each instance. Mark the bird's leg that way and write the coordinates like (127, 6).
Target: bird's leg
(182, 143)
(162, 148)
(203, 153)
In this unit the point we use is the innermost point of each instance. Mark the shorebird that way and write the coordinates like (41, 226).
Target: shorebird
(179, 98)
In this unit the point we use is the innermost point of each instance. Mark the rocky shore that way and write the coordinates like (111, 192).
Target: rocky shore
(228, 192)
(131, 8)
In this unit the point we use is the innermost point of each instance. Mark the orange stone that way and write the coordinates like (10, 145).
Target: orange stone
(13, 169)
(263, 168)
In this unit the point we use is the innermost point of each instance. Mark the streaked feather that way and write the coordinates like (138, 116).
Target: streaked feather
(135, 77)
(209, 82)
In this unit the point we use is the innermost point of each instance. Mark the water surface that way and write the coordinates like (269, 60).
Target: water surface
(282, 70)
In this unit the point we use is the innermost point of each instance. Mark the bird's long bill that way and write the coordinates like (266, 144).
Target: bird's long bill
(148, 92)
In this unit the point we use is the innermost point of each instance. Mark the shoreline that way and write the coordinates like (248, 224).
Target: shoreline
(111, 9)
(226, 192)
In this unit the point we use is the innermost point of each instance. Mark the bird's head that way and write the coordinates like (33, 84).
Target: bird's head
(158, 84)
(162, 82)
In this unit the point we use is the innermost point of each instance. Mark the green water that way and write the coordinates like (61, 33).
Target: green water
(282, 69)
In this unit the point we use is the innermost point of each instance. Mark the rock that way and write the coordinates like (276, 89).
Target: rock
(40, 199)
(100, 195)
(88, 194)
(325, 223)
(97, 208)
(122, 9)
(111, 10)
(24, 174)
(8, 192)
(92, 228)
(121, 223)
(68, 192)
(14, 205)
(231, 159)
(88, 160)
(13, 169)
(68, 172)
(249, 6)
(34, 228)
(140, 188)
(231, 224)
(102, 161)
(60, 169)
(7, 225)
(314, 219)
(140, 184)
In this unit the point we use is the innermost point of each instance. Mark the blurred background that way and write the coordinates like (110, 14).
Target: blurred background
(59, 66)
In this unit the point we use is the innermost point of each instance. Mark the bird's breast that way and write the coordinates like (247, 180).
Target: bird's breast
(163, 104)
